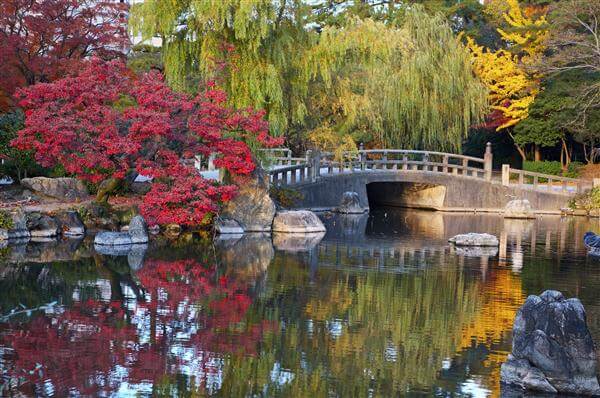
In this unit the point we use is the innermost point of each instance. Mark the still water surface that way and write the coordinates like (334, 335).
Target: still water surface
(379, 306)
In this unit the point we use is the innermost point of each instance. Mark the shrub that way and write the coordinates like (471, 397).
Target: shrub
(574, 170)
(6, 221)
(544, 167)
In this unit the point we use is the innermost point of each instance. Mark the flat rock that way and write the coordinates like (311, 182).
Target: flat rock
(552, 349)
(109, 238)
(518, 208)
(297, 222)
(61, 188)
(474, 239)
(476, 251)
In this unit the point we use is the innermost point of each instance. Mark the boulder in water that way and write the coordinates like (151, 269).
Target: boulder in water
(518, 208)
(228, 226)
(16, 225)
(297, 222)
(591, 240)
(474, 239)
(136, 233)
(70, 223)
(350, 204)
(42, 225)
(552, 349)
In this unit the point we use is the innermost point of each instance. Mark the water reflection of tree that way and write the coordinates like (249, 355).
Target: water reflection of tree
(181, 322)
(349, 334)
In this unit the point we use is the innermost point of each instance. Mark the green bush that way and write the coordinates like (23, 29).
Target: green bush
(6, 221)
(553, 168)
(544, 167)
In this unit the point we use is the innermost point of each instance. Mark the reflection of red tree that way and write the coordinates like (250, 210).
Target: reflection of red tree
(81, 347)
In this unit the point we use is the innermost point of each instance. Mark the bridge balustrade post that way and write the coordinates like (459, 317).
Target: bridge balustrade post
(426, 161)
(506, 175)
(445, 164)
(361, 156)
(384, 160)
(488, 159)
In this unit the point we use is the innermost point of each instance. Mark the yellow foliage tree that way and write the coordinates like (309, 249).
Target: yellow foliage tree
(510, 75)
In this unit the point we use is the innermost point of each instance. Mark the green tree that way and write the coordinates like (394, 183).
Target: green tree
(14, 162)
(398, 76)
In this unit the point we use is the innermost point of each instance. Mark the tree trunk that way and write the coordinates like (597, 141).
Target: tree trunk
(106, 188)
(537, 155)
(567, 157)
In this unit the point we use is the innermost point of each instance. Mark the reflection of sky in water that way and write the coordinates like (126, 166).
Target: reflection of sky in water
(380, 304)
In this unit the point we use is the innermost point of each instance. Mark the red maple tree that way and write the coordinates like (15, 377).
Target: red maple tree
(42, 40)
(106, 125)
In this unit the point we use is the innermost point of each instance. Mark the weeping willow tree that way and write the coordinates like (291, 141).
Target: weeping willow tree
(249, 47)
(409, 86)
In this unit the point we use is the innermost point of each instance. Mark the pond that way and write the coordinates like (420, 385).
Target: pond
(381, 305)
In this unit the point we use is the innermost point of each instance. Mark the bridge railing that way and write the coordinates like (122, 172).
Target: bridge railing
(542, 182)
(408, 160)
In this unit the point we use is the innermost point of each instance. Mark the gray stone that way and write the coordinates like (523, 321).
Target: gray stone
(552, 350)
(474, 239)
(19, 226)
(138, 231)
(476, 251)
(70, 224)
(110, 238)
(350, 204)
(297, 222)
(252, 207)
(61, 188)
(42, 225)
(518, 208)
(227, 226)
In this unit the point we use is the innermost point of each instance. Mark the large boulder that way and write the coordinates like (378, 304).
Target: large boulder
(350, 204)
(518, 208)
(252, 208)
(474, 239)
(70, 223)
(137, 233)
(297, 222)
(42, 225)
(64, 188)
(138, 230)
(552, 349)
(14, 225)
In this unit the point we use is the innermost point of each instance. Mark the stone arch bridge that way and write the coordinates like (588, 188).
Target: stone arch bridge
(420, 179)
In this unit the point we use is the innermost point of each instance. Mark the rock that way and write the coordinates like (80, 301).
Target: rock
(350, 204)
(42, 225)
(297, 242)
(154, 229)
(137, 233)
(552, 349)
(109, 238)
(476, 251)
(297, 222)
(474, 239)
(18, 225)
(518, 209)
(252, 207)
(227, 226)
(70, 224)
(138, 230)
(61, 188)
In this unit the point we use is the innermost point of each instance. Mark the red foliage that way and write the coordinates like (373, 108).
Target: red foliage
(42, 40)
(105, 123)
